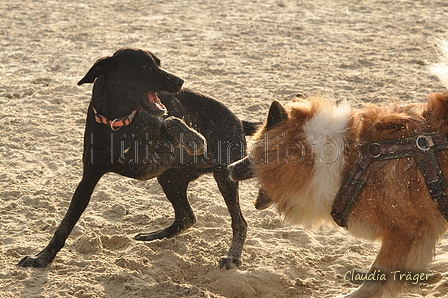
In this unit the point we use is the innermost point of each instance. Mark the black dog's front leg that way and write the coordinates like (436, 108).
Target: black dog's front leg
(193, 142)
(77, 206)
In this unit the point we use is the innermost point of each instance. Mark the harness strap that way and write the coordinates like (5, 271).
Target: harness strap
(435, 182)
(423, 147)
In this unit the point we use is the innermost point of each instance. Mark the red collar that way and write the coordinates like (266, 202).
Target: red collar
(117, 123)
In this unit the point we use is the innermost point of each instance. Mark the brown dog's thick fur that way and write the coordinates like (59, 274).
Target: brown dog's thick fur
(304, 151)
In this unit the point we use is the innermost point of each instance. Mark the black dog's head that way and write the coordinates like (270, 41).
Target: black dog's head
(131, 78)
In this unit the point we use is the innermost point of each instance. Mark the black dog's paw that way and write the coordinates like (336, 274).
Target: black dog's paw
(191, 140)
(150, 236)
(32, 262)
(175, 229)
(197, 142)
(229, 262)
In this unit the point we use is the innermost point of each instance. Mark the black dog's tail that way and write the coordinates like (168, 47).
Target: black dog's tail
(250, 127)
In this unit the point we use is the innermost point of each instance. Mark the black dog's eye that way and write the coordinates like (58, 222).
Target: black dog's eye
(147, 66)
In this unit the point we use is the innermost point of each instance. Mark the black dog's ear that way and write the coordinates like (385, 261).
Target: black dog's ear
(277, 114)
(156, 60)
(101, 67)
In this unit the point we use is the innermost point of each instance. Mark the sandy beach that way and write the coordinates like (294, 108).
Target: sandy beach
(245, 54)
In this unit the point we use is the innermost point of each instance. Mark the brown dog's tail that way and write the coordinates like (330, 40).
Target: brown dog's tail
(251, 127)
(440, 69)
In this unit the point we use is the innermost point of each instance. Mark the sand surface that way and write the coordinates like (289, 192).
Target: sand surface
(244, 53)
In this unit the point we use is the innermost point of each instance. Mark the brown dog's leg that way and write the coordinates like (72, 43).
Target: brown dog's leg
(402, 256)
(77, 206)
(188, 138)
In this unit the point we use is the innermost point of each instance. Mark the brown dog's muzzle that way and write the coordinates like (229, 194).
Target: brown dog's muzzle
(241, 169)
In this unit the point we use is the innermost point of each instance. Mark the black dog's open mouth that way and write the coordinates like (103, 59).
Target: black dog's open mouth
(153, 102)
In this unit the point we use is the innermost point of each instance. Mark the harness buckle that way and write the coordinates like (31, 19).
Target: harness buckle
(424, 143)
(374, 150)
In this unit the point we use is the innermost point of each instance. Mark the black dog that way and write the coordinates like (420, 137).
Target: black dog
(142, 142)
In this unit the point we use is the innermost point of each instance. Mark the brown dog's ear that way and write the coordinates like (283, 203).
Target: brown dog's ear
(101, 67)
(277, 114)
(437, 111)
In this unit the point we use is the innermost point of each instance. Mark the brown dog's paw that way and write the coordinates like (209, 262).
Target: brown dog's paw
(229, 262)
(189, 139)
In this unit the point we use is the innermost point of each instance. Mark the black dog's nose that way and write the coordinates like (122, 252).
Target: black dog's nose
(179, 82)
(172, 83)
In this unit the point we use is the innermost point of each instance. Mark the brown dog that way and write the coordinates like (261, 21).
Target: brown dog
(379, 171)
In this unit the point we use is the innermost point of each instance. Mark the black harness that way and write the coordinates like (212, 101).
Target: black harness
(423, 147)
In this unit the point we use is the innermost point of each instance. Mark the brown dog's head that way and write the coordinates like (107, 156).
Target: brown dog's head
(297, 141)
(244, 168)
(131, 79)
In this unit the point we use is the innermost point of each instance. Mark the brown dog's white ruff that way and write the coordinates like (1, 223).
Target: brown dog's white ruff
(300, 162)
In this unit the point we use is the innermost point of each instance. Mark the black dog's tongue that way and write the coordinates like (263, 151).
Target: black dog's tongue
(154, 102)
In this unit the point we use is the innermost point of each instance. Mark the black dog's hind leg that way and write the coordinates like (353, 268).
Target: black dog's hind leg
(77, 206)
(175, 183)
(229, 190)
